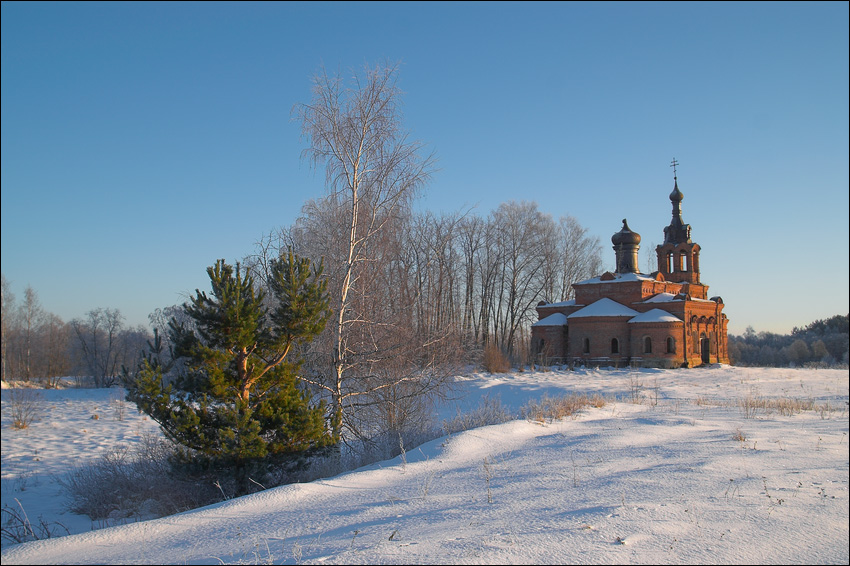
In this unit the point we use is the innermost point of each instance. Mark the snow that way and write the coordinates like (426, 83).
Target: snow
(604, 307)
(672, 469)
(662, 298)
(570, 303)
(618, 278)
(557, 319)
(655, 315)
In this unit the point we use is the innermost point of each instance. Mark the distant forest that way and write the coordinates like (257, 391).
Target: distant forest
(823, 343)
(37, 345)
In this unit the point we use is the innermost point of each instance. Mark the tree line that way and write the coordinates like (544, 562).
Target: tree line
(38, 345)
(431, 291)
(823, 343)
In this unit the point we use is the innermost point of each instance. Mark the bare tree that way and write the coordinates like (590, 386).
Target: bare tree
(650, 257)
(7, 300)
(373, 170)
(524, 235)
(31, 316)
(35, 342)
(99, 339)
(471, 240)
(579, 257)
(54, 340)
(431, 256)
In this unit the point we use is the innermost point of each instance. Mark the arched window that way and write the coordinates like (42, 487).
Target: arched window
(540, 345)
(671, 266)
(647, 345)
(682, 261)
(615, 346)
(586, 345)
(671, 345)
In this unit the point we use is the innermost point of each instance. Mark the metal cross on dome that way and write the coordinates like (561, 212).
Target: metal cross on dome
(673, 165)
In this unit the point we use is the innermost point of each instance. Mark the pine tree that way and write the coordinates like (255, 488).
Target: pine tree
(233, 401)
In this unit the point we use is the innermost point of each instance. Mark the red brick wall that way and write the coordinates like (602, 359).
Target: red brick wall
(600, 330)
(658, 334)
(553, 344)
(700, 316)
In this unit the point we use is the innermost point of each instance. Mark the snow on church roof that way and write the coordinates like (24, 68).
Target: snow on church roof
(656, 315)
(569, 303)
(604, 307)
(662, 298)
(618, 278)
(557, 319)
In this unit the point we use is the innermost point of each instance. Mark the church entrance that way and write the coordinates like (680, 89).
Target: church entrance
(705, 349)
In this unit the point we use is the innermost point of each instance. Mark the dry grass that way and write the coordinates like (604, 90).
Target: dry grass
(26, 406)
(703, 401)
(490, 411)
(133, 482)
(548, 409)
(752, 405)
(495, 361)
(16, 527)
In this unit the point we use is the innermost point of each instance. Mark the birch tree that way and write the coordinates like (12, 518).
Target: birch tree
(578, 256)
(7, 300)
(373, 170)
(32, 316)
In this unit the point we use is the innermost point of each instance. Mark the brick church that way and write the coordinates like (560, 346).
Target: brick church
(626, 318)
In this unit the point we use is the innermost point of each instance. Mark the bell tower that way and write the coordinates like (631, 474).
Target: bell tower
(678, 256)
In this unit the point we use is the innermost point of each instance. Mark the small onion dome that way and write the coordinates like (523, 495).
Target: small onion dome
(625, 236)
(676, 195)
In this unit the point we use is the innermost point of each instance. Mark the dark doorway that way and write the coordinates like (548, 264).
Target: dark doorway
(705, 350)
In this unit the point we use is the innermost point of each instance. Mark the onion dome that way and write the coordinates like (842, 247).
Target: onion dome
(625, 236)
(676, 195)
(677, 232)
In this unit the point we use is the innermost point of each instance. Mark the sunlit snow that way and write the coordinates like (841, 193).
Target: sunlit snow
(679, 466)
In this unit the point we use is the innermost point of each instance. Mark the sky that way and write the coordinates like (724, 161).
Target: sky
(141, 142)
(677, 467)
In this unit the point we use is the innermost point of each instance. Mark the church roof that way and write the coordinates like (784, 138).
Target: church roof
(625, 236)
(655, 315)
(677, 232)
(570, 303)
(604, 307)
(557, 319)
(618, 278)
(662, 298)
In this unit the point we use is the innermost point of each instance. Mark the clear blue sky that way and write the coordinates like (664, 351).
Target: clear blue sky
(142, 141)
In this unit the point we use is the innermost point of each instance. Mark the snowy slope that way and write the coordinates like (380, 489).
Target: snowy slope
(660, 481)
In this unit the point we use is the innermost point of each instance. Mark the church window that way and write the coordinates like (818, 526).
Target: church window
(586, 345)
(671, 345)
(615, 346)
(647, 345)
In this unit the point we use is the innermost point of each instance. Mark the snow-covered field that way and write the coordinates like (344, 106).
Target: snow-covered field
(680, 466)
